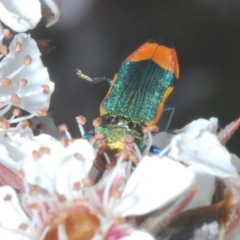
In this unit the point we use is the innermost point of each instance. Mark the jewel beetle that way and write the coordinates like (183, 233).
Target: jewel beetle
(138, 91)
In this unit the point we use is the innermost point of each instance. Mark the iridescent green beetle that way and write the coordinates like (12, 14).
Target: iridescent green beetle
(138, 91)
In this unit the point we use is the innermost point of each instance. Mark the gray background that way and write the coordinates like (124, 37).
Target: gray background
(96, 35)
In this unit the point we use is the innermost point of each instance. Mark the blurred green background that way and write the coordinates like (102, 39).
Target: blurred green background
(97, 35)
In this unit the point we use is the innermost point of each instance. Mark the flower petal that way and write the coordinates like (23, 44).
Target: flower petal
(154, 183)
(210, 125)
(204, 150)
(138, 235)
(12, 215)
(206, 184)
(32, 96)
(56, 8)
(20, 15)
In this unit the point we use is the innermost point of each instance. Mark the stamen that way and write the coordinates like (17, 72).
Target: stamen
(3, 49)
(17, 112)
(15, 98)
(26, 123)
(4, 123)
(166, 149)
(61, 198)
(133, 158)
(81, 120)
(27, 60)
(97, 122)
(88, 182)
(18, 47)
(21, 175)
(36, 155)
(138, 153)
(45, 150)
(149, 144)
(129, 141)
(7, 34)
(76, 186)
(21, 118)
(124, 154)
(62, 235)
(64, 128)
(46, 89)
(6, 82)
(23, 226)
(79, 157)
(42, 112)
(64, 141)
(44, 233)
(23, 82)
(8, 198)
(128, 170)
(107, 157)
(8, 105)
(106, 193)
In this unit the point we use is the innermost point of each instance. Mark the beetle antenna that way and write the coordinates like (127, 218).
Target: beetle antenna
(83, 76)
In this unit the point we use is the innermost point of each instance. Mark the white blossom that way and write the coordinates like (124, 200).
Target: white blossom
(21, 16)
(24, 80)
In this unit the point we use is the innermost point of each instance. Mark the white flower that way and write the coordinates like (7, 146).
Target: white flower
(24, 80)
(150, 187)
(203, 150)
(196, 145)
(23, 15)
(45, 161)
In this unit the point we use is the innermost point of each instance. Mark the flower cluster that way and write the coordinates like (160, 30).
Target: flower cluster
(54, 187)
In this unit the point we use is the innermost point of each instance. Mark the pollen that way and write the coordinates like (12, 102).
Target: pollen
(4, 123)
(7, 34)
(15, 99)
(27, 60)
(88, 182)
(8, 198)
(97, 122)
(36, 155)
(61, 198)
(23, 82)
(3, 49)
(81, 120)
(45, 150)
(79, 156)
(25, 124)
(77, 186)
(62, 128)
(17, 112)
(46, 89)
(6, 82)
(23, 226)
(42, 112)
(18, 47)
